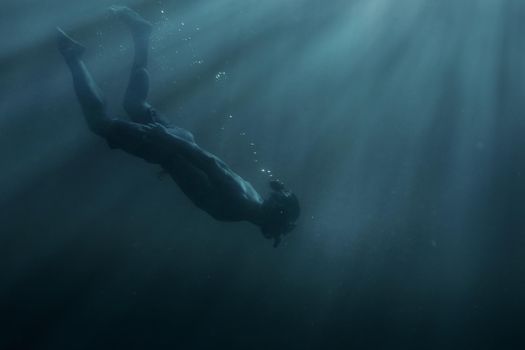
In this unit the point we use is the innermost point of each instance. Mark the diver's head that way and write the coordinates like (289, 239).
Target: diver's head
(280, 211)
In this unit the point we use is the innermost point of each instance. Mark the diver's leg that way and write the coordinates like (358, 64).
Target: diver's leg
(128, 136)
(140, 29)
(135, 102)
(87, 91)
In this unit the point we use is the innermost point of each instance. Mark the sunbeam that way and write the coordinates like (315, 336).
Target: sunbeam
(398, 124)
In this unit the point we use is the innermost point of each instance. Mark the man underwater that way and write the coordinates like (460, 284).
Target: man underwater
(209, 183)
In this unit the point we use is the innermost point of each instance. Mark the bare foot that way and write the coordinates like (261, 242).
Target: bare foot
(137, 24)
(68, 46)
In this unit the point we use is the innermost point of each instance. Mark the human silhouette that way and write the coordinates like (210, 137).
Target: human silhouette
(207, 181)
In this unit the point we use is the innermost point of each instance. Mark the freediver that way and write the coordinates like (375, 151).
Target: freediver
(209, 183)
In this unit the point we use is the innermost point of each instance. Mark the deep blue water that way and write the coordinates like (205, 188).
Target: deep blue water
(399, 124)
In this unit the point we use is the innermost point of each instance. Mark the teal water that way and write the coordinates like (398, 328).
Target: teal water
(399, 124)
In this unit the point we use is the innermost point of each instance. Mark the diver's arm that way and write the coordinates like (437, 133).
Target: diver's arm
(176, 145)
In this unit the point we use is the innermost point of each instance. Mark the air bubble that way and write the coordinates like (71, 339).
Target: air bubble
(220, 76)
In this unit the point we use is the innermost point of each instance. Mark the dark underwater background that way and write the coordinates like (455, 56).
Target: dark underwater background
(399, 124)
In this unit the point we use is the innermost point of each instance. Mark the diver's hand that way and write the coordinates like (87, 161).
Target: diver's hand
(155, 130)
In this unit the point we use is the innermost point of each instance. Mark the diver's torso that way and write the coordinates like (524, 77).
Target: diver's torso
(235, 202)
